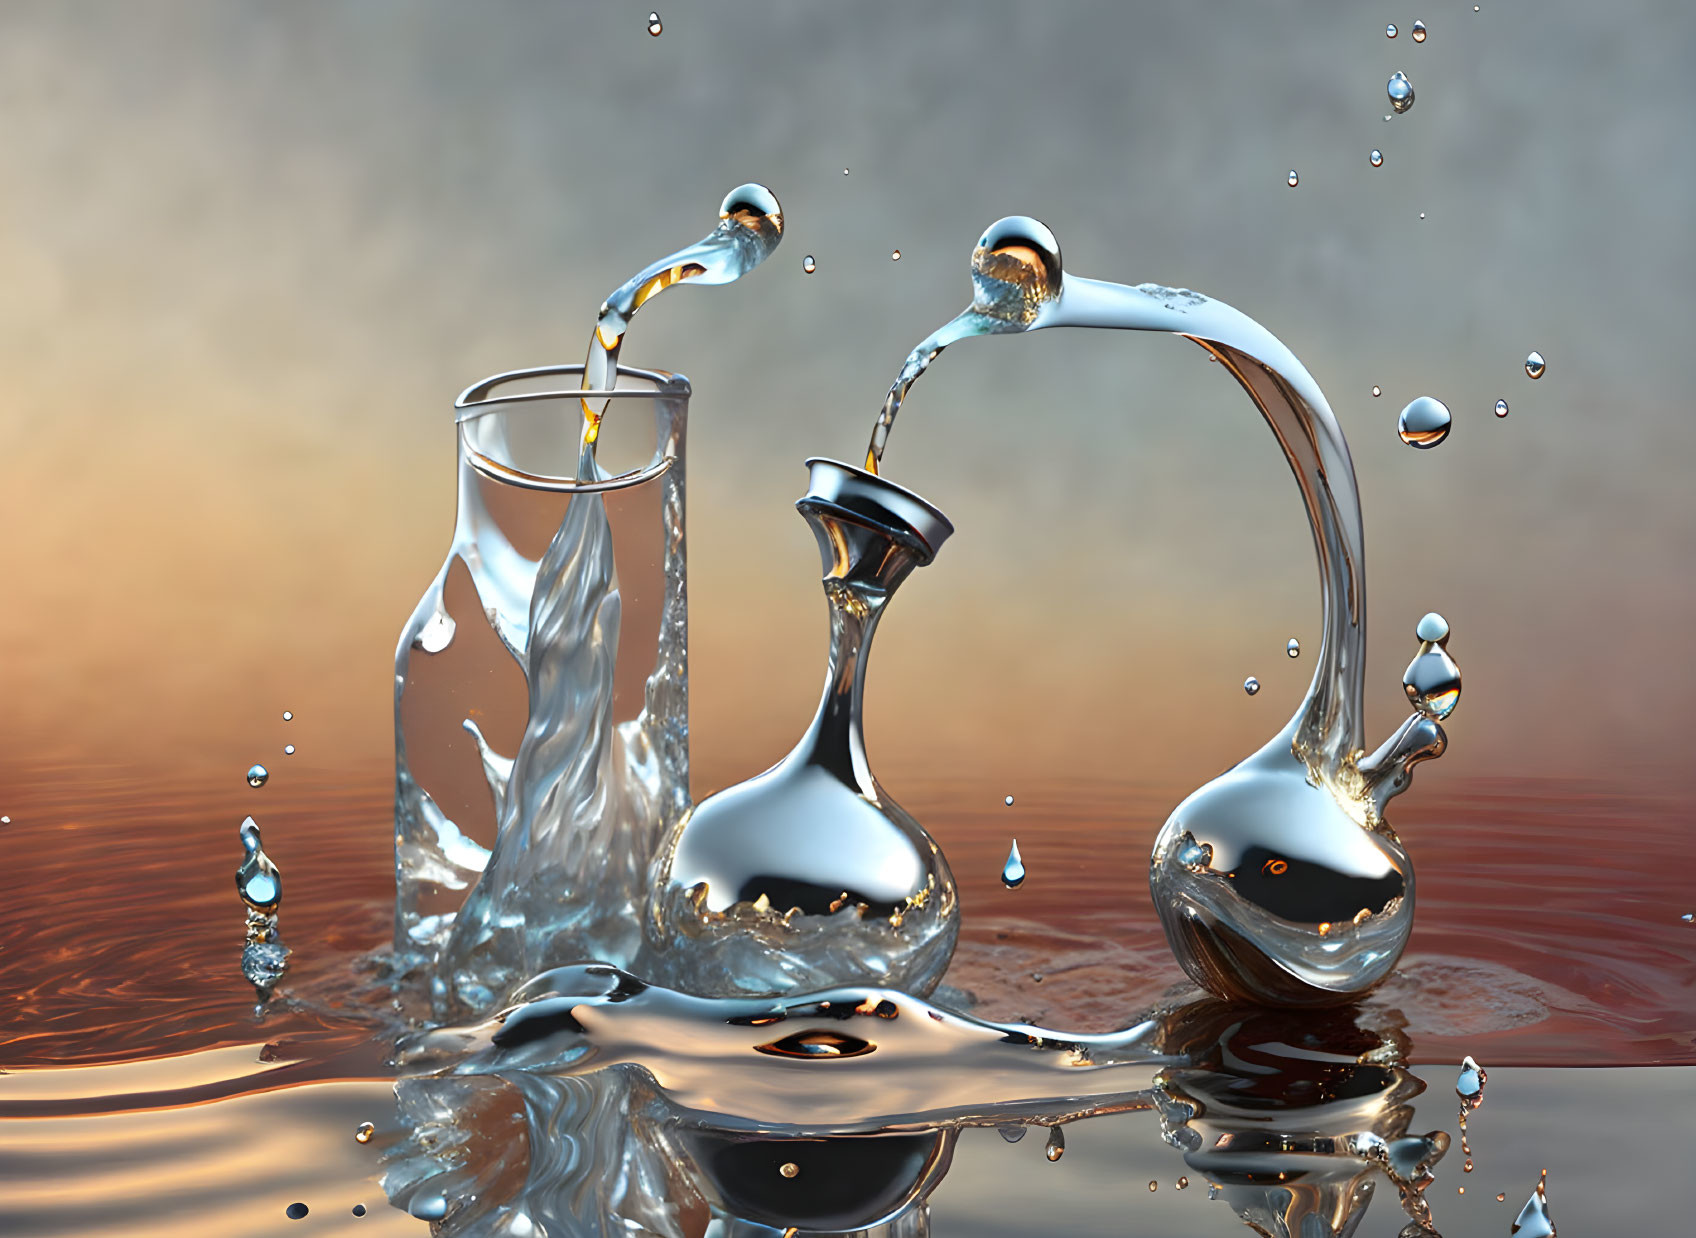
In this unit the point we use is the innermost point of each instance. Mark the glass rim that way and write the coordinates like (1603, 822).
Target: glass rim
(476, 402)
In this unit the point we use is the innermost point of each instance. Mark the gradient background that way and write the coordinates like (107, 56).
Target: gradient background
(250, 253)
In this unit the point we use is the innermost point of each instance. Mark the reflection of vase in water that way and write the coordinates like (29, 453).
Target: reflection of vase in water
(809, 874)
(552, 577)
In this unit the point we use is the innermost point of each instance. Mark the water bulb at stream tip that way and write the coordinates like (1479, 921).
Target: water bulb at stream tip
(1419, 32)
(363, 1132)
(1293, 648)
(1390, 30)
(1424, 423)
(1469, 1086)
(655, 26)
(1432, 626)
(1013, 871)
(1400, 91)
(1501, 408)
(1535, 365)
(1251, 685)
(1056, 1144)
(1294, 180)
(808, 265)
(1377, 158)
(257, 775)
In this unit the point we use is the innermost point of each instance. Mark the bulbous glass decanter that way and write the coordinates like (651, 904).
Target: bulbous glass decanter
(809, 875)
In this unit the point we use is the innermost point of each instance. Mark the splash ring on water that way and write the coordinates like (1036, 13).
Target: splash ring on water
(477, 401)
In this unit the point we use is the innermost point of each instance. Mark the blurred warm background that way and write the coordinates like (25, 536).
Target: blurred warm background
(249, 253)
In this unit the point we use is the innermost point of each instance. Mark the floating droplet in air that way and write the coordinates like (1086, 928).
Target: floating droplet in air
(1469, 1086)
(789, 1169)
(1183, 1183)
(1377, 158)
(359, 1210)
(1432, 679)
(1501, 408)
(288, 716)
(1294, 180)
(1153, 1186)
(1056, 1144)
(1419, 32)
(257, 880)
(288, 750)
(895, 255)
(1534, 1220)
(1251, 685)
(257, 775)
(1293, 648)
(1376, 391)
(1009, 801)
(363, 1132)
(1688, 917)
(1013, 871)
(1424, 423)
(655, 27)
(808, 265)
(1535, 365)
(1390, 30)
(1400, 91)
(296, 1212)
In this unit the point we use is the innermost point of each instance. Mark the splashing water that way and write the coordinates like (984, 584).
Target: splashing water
(1400, 91)
(1013, 871)
(1534, 1220)
(1424, 423)
(264, 957)
(1469, 1086)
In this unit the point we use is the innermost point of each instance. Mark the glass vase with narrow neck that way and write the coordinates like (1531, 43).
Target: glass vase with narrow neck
(809, 875)
(541, 690)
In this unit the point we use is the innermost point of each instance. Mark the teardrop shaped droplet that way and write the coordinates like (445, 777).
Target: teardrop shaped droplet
(1424, 423)
(1293, 648)
(1056, 1144)
(1376, 391)
(1419, 32)
(1377, 158)
(895, 255)
(257, 880)
(1009, 801)
(655, 27)
(1400, 91)
(1011, 1132)
(808, 265)
(1432, 627)
(257, 775)
(1294, 180)
(1251, 685)
(1183, 1183)
(1153, 1186)
(1469, 1086)
(1534, 1220)
(1535, 365)
(1390, 31)
(1501, 408)
(1432, 679)
(1013, 871)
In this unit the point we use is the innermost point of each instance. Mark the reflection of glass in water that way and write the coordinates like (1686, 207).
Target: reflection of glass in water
(601, 557)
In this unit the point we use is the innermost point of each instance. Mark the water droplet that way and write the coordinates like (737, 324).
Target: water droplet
(1011, 1132)
(288, 750)
(1294, 179)
(1183, 1183)
(1009, 801)
(1013, 871)
(288, 716)
(363, 1133)
(1293, 648)
(1432, 680)
(655, 27)
(1470, 1084)
(789, 1169)
(1501, 408)
(257, 776)
(1400, 91)
(1432, 626)
(1422, 214)
(895, 255)
(1688, 917)
(430, 1208)
(359, 1210)
(1377, 158)
(1251, 685)
(1534, 1220)
(296, 1211)
(1424, 423)
(1153, 1186)
(1387, 118)
(1377, 391)
(1390, 30)
(5, 821)
(257, 880)
(845, 171)
(1501, 1197)
(808, 265)
(436, 634)
(1419, 32)
(1056, 1144)
(1535, 365)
